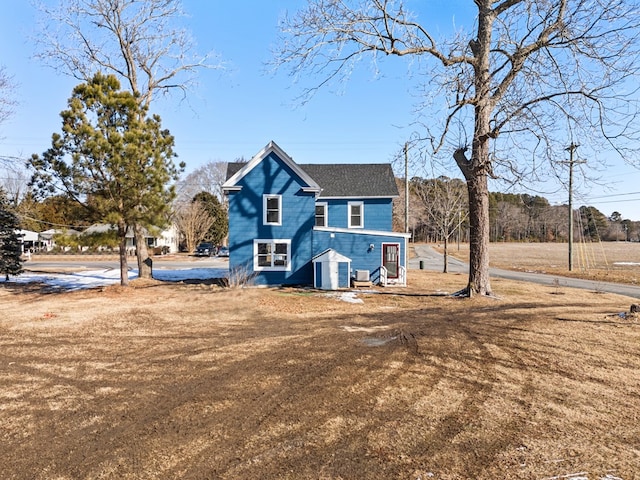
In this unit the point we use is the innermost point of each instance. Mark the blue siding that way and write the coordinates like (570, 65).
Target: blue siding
(378, 213)
(356, 247)
(271, 176)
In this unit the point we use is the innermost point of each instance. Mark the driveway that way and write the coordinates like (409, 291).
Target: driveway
(432, 260)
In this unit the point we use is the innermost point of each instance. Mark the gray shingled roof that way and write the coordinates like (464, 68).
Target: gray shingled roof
(346, 179)
(233, 167)
(353, 180)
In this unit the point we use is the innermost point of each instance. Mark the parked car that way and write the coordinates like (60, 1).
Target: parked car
(223, 252)
(205, 249)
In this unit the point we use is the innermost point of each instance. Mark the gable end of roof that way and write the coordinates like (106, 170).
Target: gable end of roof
(271, 147)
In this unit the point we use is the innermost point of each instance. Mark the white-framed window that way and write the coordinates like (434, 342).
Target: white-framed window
(355, 214)
(322, 220)
(272, 209)
(269, 254)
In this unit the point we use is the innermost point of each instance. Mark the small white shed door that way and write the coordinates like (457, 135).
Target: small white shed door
(330, 277)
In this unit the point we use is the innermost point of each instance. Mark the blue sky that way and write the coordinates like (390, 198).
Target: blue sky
(237, 110)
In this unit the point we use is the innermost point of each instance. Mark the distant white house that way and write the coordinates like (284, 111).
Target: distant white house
(170, 238)
(29, 240)
(46, 238)
(166, 241)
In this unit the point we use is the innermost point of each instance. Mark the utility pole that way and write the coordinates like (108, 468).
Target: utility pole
(406, 187)
(571, 148)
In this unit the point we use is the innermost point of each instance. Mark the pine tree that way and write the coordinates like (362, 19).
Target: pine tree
(110, 158)
(10, 244)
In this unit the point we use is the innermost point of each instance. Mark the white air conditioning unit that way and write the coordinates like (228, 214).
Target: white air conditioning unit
(362, 275)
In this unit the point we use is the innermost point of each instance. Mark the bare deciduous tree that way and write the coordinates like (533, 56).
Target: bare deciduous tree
(193, 221)
(7, 102)
(510, 222)
(14, 179)
(207, 178)
(527, 73)
(137, 40)
(443, 203)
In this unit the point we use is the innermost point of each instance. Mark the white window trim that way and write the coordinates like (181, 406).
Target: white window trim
(272, 241)
(265, 199)
(351, 204)
(325, 206)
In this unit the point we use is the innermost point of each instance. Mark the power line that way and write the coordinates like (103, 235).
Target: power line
(621, 201)
(75, 227)
(615, 195)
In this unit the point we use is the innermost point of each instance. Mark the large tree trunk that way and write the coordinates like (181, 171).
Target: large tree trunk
(477, 169)
(122, 250)
(479, 282)
(142, 253)
(476, 175)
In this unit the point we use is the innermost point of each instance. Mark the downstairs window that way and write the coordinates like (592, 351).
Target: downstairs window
(272, 255)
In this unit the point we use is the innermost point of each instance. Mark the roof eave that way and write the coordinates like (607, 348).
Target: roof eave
(358, 197)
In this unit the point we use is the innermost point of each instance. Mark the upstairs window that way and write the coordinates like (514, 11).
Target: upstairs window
(321, 215)
(356, 214)
(272, 209)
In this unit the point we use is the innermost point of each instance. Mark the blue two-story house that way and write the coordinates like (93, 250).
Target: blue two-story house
(321, 225)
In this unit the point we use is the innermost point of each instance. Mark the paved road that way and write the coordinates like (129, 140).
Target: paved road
(433, 260)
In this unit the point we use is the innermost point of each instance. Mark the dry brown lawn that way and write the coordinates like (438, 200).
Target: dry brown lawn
(165, 381)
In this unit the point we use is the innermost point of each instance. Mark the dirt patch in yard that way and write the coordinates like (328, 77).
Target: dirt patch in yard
(197, 381)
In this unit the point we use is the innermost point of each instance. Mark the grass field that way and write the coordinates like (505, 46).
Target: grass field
(165, 381)
(606, 261)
